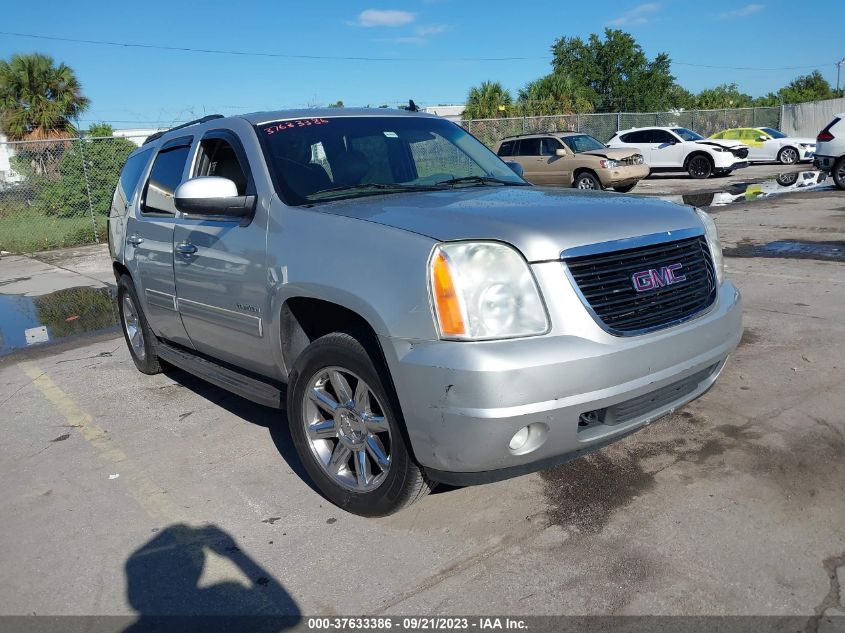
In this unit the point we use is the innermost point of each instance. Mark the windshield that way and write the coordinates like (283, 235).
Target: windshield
(582, 143)
(773, 133)
(687, 135)
(321, 159)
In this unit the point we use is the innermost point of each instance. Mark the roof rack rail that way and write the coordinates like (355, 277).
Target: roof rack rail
(542, 132)
(157, 135)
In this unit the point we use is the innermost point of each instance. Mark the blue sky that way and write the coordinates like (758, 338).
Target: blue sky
(135, 87)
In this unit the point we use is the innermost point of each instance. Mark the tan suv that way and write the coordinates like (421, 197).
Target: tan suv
(573, 159)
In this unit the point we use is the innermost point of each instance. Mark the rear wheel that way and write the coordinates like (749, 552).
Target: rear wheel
(139, 337)
(788, 156)
(346, 425)
(838, 173)
(586, 180)
(700, 166)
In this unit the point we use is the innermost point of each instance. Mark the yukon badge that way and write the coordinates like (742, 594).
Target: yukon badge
(654, 278)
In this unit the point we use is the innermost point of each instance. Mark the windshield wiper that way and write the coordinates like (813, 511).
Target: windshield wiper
(370, 186)
(479, 180)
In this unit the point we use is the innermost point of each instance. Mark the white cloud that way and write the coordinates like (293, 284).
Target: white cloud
(640, 14)
(748, 9)
(421, 35)
(389, 17)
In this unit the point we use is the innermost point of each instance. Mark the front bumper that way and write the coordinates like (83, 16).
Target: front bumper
(463, 401)
(623, 175)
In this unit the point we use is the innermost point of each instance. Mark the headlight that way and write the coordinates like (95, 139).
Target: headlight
(712, 235)
(638, 159)
(609, 164)
(484, 290)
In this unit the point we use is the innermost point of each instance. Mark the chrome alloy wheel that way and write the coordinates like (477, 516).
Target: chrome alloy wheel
(585, 182)
(788, 156)
(346, 429)
(132, 326)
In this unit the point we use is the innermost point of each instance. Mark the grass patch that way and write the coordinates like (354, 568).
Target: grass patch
(29, 231)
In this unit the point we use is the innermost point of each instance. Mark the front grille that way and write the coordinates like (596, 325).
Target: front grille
(741, 152)
(636, 159)
(606, 284)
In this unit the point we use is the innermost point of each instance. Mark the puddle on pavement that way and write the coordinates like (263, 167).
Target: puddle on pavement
(746, 192)
(791, 249)
(27, 321)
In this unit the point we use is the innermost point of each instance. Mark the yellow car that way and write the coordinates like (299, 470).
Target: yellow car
(766, 144)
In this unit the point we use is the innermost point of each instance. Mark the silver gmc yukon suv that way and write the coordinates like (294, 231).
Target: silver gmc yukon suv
(423, 313)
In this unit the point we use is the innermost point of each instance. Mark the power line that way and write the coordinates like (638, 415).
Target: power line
(674, 63)
(215, 51)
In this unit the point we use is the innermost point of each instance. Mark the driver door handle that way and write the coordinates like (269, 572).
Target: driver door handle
(135, 239)
(186, 248)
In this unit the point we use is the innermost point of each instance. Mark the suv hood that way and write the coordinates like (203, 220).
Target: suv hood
(539, 221)
(722, 143)
(618, 153)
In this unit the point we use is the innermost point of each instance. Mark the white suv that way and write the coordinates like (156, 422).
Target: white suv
(830, 150)
(680, 149)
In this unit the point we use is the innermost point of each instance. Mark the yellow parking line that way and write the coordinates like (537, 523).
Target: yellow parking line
(150, 496)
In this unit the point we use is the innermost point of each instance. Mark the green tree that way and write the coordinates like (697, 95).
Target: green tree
(723, 96)
(338, 104)
(554, 93)
(615, 72)
(812, 87)
(490, 100)
(67, 195)
(38, 99)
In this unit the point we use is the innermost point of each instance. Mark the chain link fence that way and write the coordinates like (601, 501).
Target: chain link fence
(603, 126)
(58, 193)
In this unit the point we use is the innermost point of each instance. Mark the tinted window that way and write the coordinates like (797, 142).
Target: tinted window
(165, 176)
(640, 136)
(773, 133)
(549, 146)
(529, 147)
(218, 158)
(506, 148)
(131, 173)
(662, 137)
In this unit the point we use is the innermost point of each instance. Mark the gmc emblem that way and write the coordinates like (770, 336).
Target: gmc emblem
(654, 278)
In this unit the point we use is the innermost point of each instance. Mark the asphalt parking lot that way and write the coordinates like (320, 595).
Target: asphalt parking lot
(126, 494)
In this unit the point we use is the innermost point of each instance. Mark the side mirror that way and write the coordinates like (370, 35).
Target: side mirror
(560, 152)
(762, 138)
(212, 195)
(515, 167)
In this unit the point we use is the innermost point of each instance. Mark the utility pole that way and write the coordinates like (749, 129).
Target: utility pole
(838, 69)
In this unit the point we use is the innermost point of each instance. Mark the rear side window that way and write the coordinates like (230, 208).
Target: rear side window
(131, 173)
(529, 147)
(641, 136)
(506, 148)
(165, 176)
(662, 136)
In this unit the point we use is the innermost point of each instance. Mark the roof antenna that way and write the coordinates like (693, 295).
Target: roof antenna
(412, 107)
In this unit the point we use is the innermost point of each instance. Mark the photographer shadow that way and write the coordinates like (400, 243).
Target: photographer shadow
(163, 585)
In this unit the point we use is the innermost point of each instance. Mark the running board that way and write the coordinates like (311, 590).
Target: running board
(225, 378)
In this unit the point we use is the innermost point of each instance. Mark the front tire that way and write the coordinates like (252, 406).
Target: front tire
(700, 167)
(346, 426)
(788, 156)
(136, 330)
(838, 173)
(625, 189)
(587, 181)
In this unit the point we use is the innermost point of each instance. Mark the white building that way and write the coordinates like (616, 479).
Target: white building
(451, 112)
(8, 176)
(138, 135)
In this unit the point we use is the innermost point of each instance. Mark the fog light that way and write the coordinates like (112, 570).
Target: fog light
(519, 439)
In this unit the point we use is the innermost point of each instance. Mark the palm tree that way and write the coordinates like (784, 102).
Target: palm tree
(490, 100)
(37, 102)
(555, 93)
